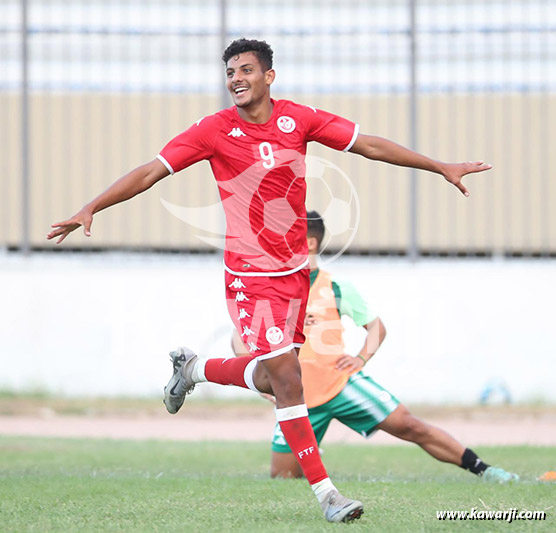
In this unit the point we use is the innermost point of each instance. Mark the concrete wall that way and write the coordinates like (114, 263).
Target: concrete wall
(102, 324)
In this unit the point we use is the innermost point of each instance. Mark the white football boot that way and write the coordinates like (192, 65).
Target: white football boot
(338, 508)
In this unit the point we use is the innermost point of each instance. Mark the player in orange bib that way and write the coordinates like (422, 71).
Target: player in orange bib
(336, 387)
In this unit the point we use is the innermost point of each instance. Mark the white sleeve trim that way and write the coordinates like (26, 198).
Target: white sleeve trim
(165, 163)
(353, 139)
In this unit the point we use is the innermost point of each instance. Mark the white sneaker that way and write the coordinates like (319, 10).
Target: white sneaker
(337, 508)
(180, 384)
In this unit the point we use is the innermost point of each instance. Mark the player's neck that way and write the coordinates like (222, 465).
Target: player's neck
(258, 113)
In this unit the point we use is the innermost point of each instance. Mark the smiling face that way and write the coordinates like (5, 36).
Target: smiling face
(247, 81)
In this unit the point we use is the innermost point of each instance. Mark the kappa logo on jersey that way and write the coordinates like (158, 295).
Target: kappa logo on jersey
(286, 124)
(236, 132)
(274, 335)
(252, 347)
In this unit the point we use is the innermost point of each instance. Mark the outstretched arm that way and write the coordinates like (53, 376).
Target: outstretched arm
(381, 149)
(128, 186)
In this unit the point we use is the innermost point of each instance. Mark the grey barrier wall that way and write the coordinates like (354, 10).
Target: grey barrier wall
(90, 90)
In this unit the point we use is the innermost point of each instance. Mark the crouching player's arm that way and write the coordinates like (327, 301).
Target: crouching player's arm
(376, 333)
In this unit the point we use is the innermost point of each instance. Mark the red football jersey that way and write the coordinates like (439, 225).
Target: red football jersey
(260, 172)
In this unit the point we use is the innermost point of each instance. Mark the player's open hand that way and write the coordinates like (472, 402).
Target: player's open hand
(454, 172)
(63, 229)
(349, 363)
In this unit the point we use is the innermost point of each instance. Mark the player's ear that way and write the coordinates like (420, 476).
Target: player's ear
(269, 76)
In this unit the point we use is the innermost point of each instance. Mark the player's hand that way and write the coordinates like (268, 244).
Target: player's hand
(63, 229)
(454, 172)
(349, 363)
(268, 397)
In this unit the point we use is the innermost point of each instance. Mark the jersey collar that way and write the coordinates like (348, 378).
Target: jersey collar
(275, 104)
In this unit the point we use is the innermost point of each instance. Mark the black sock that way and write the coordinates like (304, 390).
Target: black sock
(471, 462)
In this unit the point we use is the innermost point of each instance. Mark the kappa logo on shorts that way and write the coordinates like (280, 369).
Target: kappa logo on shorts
(274, 335)
(247, 331)
(243, 314)
(285, 124)
(252, 346)
(240, 297)
(237, 284)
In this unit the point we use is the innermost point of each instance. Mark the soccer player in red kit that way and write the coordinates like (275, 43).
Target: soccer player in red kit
(256, 150)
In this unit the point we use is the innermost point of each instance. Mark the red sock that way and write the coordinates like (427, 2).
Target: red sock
(301, 438)
(228, 371)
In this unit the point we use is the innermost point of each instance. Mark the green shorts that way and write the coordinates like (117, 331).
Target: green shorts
(361, 405)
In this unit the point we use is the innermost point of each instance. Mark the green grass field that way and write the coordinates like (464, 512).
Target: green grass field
(101, 485)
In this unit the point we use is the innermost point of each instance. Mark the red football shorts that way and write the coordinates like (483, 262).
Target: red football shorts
(268, 311)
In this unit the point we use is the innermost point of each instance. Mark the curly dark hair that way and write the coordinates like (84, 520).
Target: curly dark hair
(315, 226)
(260, 48)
